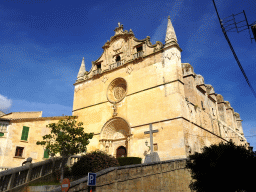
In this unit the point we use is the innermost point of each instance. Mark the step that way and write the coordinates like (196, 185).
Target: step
(42, 188)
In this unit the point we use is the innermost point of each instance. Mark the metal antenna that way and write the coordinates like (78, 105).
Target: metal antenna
(232, 49)
(237, 25)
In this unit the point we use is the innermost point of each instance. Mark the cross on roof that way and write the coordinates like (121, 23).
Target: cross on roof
(151, 136)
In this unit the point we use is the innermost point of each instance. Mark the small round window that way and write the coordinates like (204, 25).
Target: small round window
(117, 90)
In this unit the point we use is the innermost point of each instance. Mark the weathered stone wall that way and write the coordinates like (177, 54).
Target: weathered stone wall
(162, 176)
(209, 119)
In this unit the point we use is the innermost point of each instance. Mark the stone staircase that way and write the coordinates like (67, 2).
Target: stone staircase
(16, 179)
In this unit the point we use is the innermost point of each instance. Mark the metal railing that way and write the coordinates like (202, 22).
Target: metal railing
(16, 177)
(138, 55)
(117, 64)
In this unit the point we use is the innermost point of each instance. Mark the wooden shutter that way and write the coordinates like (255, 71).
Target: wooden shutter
(24, 135)
(1, 134)
(46, 153)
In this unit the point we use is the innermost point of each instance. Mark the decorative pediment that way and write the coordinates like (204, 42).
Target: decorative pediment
(122, 48)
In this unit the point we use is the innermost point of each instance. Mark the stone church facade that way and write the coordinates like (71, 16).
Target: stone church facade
(134, 84)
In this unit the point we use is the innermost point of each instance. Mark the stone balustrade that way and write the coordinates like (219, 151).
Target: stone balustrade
(14, 178)
(97, 72)
(138, 55)
(117, 64)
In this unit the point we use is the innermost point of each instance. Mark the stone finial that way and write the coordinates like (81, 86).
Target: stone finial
(170, 33)
(28, 161)
(81, 71)
(119, 29)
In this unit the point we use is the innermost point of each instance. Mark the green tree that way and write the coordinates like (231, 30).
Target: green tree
(223, 167)
(93, 162)
(67, 138)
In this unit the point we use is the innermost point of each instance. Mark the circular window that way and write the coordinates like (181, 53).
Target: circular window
(116, 90)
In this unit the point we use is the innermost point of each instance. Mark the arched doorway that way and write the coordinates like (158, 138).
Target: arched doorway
(115, 134)
(121, 152)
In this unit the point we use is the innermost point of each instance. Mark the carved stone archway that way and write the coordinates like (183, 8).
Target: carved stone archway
(115, 133)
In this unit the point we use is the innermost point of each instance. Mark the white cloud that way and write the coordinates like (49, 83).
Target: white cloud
(5, 104)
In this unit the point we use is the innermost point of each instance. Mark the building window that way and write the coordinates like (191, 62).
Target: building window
(1, 134)
(24, 135)
(19, 151)
(3, 128)
(99, 66)
(118, 58)
(46, 153)
(139, 48)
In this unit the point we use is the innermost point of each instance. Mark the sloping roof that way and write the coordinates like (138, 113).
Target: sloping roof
(2, 113)
(18, 115)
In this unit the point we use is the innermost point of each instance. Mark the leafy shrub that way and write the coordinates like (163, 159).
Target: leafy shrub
(93, 162)
(129, 160)
(224, 164)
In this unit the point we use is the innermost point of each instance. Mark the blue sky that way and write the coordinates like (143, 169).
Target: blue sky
(42, 43)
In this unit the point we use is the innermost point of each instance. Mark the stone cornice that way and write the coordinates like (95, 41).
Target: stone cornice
(211, 98)
(201, 88)
(189, 75)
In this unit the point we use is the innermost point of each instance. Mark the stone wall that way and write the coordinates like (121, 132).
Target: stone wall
(161, 176)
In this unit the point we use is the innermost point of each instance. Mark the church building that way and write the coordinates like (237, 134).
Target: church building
(135, 84)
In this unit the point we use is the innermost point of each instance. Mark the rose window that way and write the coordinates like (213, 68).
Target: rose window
(117, 90)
